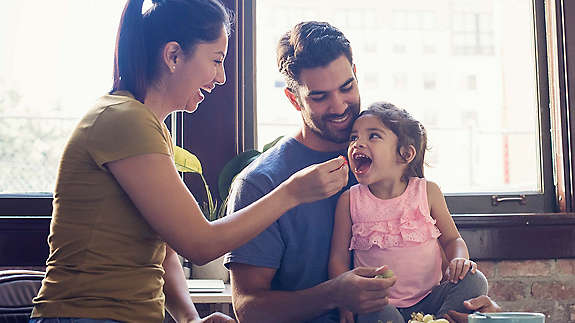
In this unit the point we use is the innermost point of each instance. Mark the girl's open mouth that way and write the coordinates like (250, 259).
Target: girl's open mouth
(361, 163)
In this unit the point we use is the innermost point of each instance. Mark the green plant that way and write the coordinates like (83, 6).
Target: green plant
(235, 165)
(187, 162)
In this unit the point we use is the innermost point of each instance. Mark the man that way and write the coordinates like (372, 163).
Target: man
(282, 275)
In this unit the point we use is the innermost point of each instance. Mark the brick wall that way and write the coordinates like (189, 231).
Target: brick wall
(544, 286)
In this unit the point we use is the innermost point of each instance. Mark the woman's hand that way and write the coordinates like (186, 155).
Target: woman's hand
(216, 317)
(458, 268)
(345, 316)
(318, 181)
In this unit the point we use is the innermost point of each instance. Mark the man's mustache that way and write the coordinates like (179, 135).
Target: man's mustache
(337, 116)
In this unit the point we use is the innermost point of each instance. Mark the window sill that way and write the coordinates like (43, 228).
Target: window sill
(488, 237)
(518, 236)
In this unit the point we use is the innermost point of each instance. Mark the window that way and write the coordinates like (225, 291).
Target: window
(47, 83)
(470, 82)
(400, 81)
(399, 48)
(412, 18)
(56, 59)
(473, 32)
(429, 81)
(487, 138)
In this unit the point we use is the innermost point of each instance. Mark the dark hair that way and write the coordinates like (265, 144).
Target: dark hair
(141, 37)
(308, 45)
(408, 131)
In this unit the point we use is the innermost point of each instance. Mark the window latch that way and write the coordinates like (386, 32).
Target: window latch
(496, 199)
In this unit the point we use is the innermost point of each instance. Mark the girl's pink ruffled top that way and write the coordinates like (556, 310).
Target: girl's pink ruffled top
(401, 234)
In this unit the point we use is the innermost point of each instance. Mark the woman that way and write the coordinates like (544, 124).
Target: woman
(120, 208)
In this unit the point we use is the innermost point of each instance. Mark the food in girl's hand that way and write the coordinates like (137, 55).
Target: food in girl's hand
(388, 273)
(427, 318)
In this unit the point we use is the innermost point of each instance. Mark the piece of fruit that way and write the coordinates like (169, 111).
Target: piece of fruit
(422, 318)
(388, 273)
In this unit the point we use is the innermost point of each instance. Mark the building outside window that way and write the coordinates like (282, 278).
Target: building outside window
(473, 33)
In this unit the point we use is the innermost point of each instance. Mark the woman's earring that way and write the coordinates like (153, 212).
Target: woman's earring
(173, 69)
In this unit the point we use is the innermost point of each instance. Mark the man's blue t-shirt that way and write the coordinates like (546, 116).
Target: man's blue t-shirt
(298, 243)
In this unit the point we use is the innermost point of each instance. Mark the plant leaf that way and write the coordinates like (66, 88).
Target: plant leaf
(271, 144)
(211, 206)
(232, 168)
(186, 161)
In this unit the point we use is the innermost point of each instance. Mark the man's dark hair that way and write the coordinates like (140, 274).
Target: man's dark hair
(308, 45)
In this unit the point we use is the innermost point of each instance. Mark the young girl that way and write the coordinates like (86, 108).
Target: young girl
(395, 217)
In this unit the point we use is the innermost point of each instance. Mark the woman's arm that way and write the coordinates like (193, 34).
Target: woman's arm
(154, 186)
(339, 256)
(178, 301)
(453, 245)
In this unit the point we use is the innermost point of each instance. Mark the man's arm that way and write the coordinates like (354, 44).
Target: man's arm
(254, 301)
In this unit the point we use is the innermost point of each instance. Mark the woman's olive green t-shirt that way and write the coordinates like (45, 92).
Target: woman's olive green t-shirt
(105, 260)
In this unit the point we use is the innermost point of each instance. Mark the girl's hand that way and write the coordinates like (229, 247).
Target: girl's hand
(345, 316)
(216, 317)
(458, 268)
(318, 181)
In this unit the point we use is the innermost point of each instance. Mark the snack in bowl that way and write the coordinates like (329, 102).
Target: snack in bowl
(425, 318)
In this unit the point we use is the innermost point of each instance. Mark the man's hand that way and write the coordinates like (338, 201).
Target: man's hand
(481, 303)
(359, 292)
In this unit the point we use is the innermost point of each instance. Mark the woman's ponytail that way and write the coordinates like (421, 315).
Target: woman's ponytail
(130, 56)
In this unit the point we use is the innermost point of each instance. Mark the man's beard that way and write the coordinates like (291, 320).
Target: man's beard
(319, 125)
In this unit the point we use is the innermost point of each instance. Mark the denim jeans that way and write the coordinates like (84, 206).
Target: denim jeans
(70, 320)
(444, 297)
